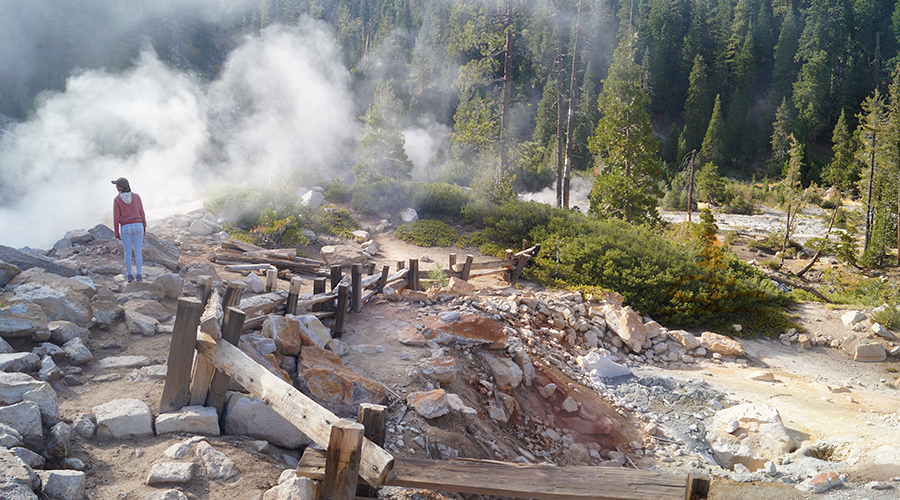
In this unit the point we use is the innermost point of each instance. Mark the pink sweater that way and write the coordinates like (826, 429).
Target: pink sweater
(128, 213)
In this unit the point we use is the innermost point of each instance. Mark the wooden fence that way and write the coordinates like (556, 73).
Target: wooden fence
(354, 463)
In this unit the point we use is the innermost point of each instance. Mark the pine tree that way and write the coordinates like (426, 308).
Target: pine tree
(696, 106)
(381, 152)
(712, 150)
(623, 144)
(782, 131)
(811, 93)
(785, 70)
(844, 169)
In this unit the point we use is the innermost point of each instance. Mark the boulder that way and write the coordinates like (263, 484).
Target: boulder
(5, 348)
(24, 260)
(409, 215)
(9, 437)
(151, 308)
(123, 418)
(22, 318)
(254, 284)
(160, 251)
(334, 385)
(430, 404)
(49, 371)
(749, 434)
(117, 362)
(360, 235)
(102, 232)
(600, 366)
(201, 227)
(442, 369)
(469, 329)
(883, 332)
(77, 353)
(820, 482)
(686, 339)
(869, 351)
(25, 418)
(171, 283)
(141, 324)
(524, 361)
(312, 199)
(851, 318)
(44, 396)
(313, 332)
(343, 255)
(7, 272)
(507, 374)
(64, 331)
(59, 301)
(248, 416)
(295, 488)
(285, 332)
(106, 310)
(15, 471)
(31, 458)
(165, 495)
(62, 484)
(721, 344)
(627, 324)
(20, 362)
(190, 419)
(58, 439)
(145, 290)
(218, 466)
(170, 473)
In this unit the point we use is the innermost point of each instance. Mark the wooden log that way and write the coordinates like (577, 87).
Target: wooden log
(271, 279)
(382, 281)
(293, 295)
(520, 266)
(237, 268)
(499, 270)
(233, 293)
(452, 260)
(413, 276)
(204, 286)
(318, 289)
(467, 268)
(242, 246)
(532, 251)
(342, 460)
(312, 419)
(538, 481)
(368, 295)
(490, 264)
(371, 268)
(321, 298)
(356, 288)
(507, 254)
(231, 333)
(400, 265)
(177, 391)
(335, 276)
(341, 313)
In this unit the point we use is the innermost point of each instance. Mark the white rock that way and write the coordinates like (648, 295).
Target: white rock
(851, 318)
(170, 473)
(62, 484)
(218, 466)
(883, 332)
(254, 284)
(295, 488)
(123, 418)
(189, 419)
(605, 367)
(25, 418)
(409, 215)
(113, 362)
(77, 353)
(246, 415)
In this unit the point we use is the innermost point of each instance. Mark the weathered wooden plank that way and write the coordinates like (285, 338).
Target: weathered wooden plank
(312, 419)
(202, 374)
(368, 295)
(531, 252)
(271, 279)
(413, 276)
(342, 460)
(520, 266)
(231, 333)
(236, 268)
(177, 391)
(317, 299)
(500, 270)
(538, 481)
(467, 267)
(477, 266)
(356, 288)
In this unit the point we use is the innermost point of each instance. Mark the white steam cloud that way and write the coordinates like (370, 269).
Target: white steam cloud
(282, 107)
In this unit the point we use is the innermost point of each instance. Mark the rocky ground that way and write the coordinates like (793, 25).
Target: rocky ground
(758, 418)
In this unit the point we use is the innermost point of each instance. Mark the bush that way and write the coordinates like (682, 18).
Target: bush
(334, 221)
(441, 199)
(427, 233)
(336, 191)
(243, 204)
(385, 195)
(888, 315)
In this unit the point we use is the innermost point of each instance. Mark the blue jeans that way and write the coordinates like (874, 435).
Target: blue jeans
(133, 235)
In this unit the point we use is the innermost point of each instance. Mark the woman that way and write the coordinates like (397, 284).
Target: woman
(128, 212)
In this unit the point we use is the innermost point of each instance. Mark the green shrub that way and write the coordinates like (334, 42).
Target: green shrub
(243, 204)
(384, 195)
(334, 221)
(438, 277)
(888, 315)
(336, 191)
(441, 199)
(427, 233)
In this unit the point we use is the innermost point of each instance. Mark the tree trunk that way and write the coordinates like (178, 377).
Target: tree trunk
(819, 252)
(570, 120)
(507, 90)
(869, 197)
(560, 118)
(691, 185)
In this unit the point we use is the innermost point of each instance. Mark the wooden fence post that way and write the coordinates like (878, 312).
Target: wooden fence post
(371, 268)
(356, 288)
(231, 333)
(385, 272)
(401, 265)
(374, 419)
(341, 313)
(204, 287)
(293, 295)
(467, 267)
(318, 287)
(177, 391)
(520, 266)
(203, 371)
(233, 294)
(342, 460)
(271, 279)
(452, 261)
(413, 277)
(335, 276)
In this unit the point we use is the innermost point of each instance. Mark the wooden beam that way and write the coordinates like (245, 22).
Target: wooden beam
(491, 264)
(231, 333)
(413, 276)
(312, 419)
(467, 267)
(382, 281)
(342, 460)
(233, 293)
(452, 260)
(335, 276)
(538, 481)
(520, 266)
(177, 391)
(204, 286)
(271, 279)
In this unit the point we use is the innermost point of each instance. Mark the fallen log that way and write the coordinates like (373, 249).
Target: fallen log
(313, 420)
(791, 283)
